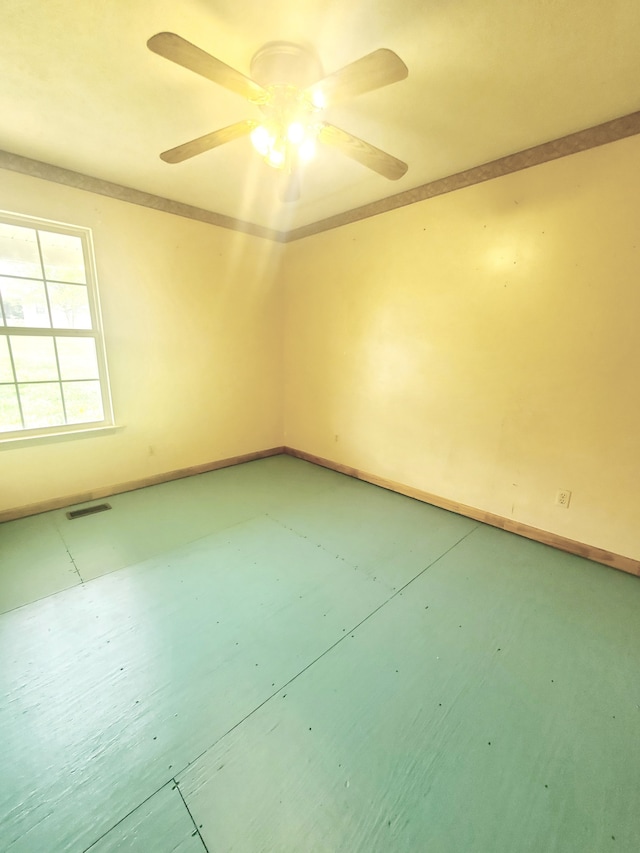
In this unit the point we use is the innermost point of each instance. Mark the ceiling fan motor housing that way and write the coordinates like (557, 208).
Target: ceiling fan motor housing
(280, 63)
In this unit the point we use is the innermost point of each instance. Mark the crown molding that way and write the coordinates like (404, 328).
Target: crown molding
(69, 178)
(573, 143)
(582, 140)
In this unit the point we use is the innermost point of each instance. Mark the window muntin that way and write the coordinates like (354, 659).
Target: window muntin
(53, 371)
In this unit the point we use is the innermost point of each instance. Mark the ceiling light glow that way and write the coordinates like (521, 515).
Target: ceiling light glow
(318, 99)
(276, 157)
(307, 149)
(296, 132)
(262, 140)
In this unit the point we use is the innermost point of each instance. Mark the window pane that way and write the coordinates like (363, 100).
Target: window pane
(41, 405)
(34, 358)
(69, 306)
(25, 302)
(83, 402)
(77, 357)
(62, 256)
(49, 329)
(19, 251)
(6, 373)
(9, 411)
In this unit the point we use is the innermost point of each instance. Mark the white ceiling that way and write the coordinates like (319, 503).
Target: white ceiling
(79, 89)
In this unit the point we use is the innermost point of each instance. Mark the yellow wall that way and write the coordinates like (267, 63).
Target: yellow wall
(192, 322)
(483, 346)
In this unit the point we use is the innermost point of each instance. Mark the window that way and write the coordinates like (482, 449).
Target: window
(53, 370)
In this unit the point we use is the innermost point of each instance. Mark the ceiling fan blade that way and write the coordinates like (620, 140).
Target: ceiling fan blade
(208, 141)
(367, 155)
(372, 71)
(177, 49)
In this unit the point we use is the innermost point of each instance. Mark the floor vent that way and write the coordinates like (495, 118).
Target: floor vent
(88, 510)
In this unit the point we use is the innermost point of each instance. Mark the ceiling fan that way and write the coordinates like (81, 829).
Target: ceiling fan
(288, 86)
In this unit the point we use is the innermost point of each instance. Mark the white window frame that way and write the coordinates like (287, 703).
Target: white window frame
(96, 332)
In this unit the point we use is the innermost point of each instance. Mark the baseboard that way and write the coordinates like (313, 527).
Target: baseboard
(132, 485)
(590, 552)
(562, 543)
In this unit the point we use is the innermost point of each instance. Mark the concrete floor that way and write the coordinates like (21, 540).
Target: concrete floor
(276, 657)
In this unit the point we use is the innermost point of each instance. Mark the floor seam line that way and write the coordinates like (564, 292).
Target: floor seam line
(173, 779)
(310, 541)
(66, 547)
(84, 582)
(433, 562)
(197, 828)
(325, 652)
(128, 814)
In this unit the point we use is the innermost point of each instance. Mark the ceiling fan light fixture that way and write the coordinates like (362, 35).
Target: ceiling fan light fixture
(282, 145)
(307, 149)
(262, 140)
(318, 100)
(271, 144)
(277, 157)
(296, 132)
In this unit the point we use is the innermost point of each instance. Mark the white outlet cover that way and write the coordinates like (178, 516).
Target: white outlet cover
(563, 498)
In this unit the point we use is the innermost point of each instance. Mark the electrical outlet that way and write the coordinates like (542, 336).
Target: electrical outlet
(563, 498)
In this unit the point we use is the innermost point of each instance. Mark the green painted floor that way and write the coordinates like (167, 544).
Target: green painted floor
(275, 657)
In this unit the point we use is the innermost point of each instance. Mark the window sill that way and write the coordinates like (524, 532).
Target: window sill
(18, 441)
